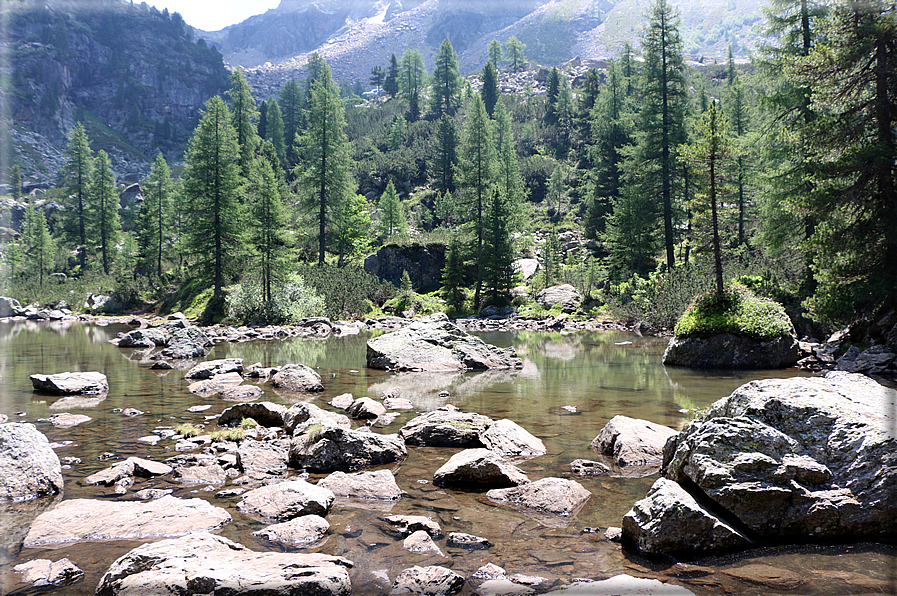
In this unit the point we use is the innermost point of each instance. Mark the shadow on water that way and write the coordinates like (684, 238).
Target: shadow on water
(569, 387)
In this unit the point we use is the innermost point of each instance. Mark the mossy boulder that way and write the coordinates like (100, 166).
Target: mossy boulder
(734, 330)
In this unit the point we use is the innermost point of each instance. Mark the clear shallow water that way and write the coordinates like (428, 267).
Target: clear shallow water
(599, 374)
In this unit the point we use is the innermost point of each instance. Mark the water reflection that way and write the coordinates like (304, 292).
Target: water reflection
(569, 387)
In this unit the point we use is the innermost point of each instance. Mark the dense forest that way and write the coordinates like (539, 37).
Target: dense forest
(779, 174)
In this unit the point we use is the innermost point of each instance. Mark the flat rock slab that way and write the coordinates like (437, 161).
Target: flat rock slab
(479, 468)
(71, 383)
(431, 581)
(209, 564)
(307, 529)
(44, 572)
(207, 370)
(436, 344)
(767, 575)
(66, 419)
(216, 383)
(379, 485)
(622, 585)
(29, 467)
(88, 519)
(553, 496)
(420, 542)
(286, 500)
(632, 442)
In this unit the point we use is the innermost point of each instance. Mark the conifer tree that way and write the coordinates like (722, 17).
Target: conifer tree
(154, 219)
(325, 166)
(490, 90)
(244, 115)
(552, 88)
(274, 129)
(76, 174)
(565, 113)
(106, 227)
(662, 116)
(412, 82)
(38, 244)
(397, 133)
(391, 81)
(15, 180)
(211, 182)
(268, 233)
(378, 77)
(629, 69)
(446, 158)
(353, 226)
(631, 232)
(739, 119)
(453, 276)
(263, 120)
(557, 189)
(291, 106)
(477, 174)
(495, 55)
(515, 52)
(446, 84)
(508, 177)
(392, 222)
(498, 257)
(551, 258)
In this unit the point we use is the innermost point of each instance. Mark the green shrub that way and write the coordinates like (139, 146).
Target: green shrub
(290, 301)
(348, 291)
(737, 311)
(659, 300)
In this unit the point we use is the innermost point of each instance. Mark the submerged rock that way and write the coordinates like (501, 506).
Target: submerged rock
(209, 564)
(436, 344)
(298, 377)
(29, 467)
(788, 460)
(554, 496)
(88, 519)
(379, 485)
(306, 529)
(286, 500)
(71, 383)
(43, 572)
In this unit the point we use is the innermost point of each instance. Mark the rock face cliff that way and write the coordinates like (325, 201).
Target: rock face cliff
(133, 75)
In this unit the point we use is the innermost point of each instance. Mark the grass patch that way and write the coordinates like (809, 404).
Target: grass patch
(188, 430)
(234, 435)
(737, 311)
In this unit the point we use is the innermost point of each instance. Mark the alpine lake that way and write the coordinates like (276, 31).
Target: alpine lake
(571, 385)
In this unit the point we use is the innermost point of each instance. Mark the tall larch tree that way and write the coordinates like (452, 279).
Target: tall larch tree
(391, 81)
(291, 106)
(268, 234)
(274, 130)
(446, 84)
(495, 53)
(154, 219)
(106, 226)
(38, 244)
(244, 117)
(392, 221)
(508, 177)
(490, 89)
(498, 257)
(515, 51)
(76, 174)
(211, 183)
(413, 81)
(446, 154)
(477, 175)
(662, 115)
(325, 166)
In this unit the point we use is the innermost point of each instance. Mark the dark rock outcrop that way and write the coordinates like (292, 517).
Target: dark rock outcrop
(424, 265)
(436, 344)
(730, 351)
(479, 468)
(445, 428)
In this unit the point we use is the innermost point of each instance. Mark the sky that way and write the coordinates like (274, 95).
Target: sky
(212, 15)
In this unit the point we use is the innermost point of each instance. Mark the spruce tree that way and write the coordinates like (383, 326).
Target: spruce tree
(274, 130)
(263, 120)
(353, 227)
(490, 90)
(508, 177)
(446, 84)
(391, 81)
(211, 182)
(498, 257)
(268, 234)
(662, 115)
(325, 166)
(397, 133)
(477, 175)
(631, 232)
(551, 258)
(291, 106)
(38, 244)
(453, 276)
(392, 222)
(446, 158)
(106, 227)
(244, 115)
(15, 180)
(76, 173)
(412, 82)
(154, 219)
(515, 52)
(495, 55)
(378, 77)
(552, 88)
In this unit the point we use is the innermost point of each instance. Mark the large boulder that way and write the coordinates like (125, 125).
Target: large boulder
(71, 383)
(145, 338)
(103, 304)
(732, 351)
(445, 428)
(300, 416)
(479, 468)
(270, 456)
(185, 343)
(303, 530)
(212, 368)
(565, 295)
(791, 460)
(29, 467)
(632, 442)
(88, 519)
(286, 500)
(379, 485)
(9, 307)
(553, 496)
(431, 581)
(424, 265)
(509, 438)
(209, 564)
(265, 413)
(333, 449)
(436, 344)
(298, 377)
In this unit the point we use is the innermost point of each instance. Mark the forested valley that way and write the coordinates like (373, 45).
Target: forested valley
(642, 183)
